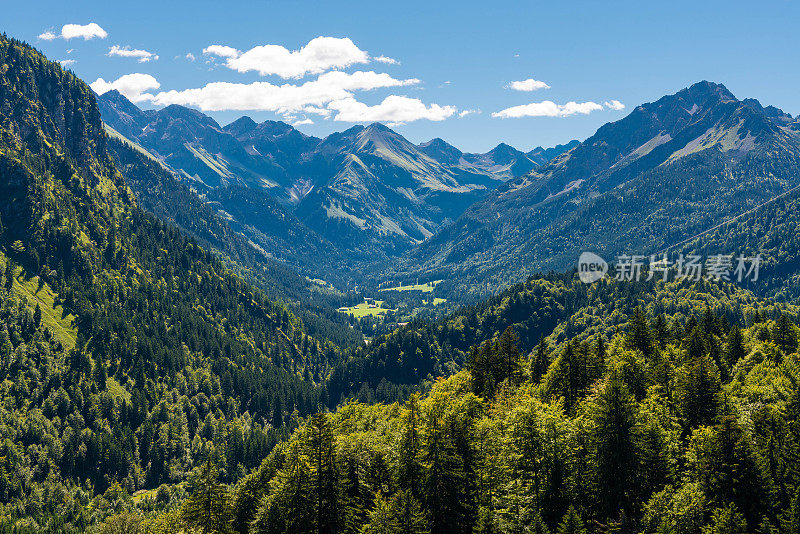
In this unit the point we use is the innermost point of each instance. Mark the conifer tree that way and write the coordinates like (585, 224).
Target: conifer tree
(409, 514)
(539, 362)
(572, 523)
(639, 336)
(508, 355)
(615, 442)
(726, 520)
(409, 474)
(784, 335)
(381, 518)
(790, 520)
(324, 474)
(697, 392)
(445, 485)
(734, 348)
(207, 507)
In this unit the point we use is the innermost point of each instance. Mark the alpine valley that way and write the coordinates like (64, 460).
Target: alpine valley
(246, 329)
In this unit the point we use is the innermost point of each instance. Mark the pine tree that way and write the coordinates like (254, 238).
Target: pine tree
(697, 392)
(614, 439)
(696, 345)
(639, 336)
(784, 335)
(207, 507)
(508, 355)
(538, 526)
(409, 514)
(409, 475)
(728, 470)
(381, 518)
(277, 412)
(726, 520)
(324, 474)
(734, 348)
(540, 362)
(100, 373)
(9, 276)
(572, 523)
(660, 330)
(446, 489)
(790, 520)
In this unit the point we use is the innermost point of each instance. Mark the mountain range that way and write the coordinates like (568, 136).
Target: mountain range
(161, 372)
(669, 171)
(366, 193)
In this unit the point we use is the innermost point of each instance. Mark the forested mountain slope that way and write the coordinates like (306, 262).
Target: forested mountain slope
(550, 308)
(174, 355)
(160, 193)
(687, 428)
(668, 171)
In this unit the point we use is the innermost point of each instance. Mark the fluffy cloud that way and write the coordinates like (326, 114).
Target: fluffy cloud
(394, 109)
(132, 86)
(302, 122)
(528, 85)
(548, 109)
(72, 31)
(190, 57)
(66, 62)
(387, 60)
(142, 56)
(221, 51)
(616, 105)
(467, 112)
(286, 98)
(319, 55)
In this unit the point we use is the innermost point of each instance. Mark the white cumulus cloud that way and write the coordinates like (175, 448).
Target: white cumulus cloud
(528, 85)
(319, 55)
(189, 56)
(302, 122)
(142, 56)
(133, 86)
(548, 108)
(394, 109)
(616, 105)
(221, 51)
(85, 31)
(467, 112)
(66, 62)
(387, 60)
(73, 31)
(264, 96)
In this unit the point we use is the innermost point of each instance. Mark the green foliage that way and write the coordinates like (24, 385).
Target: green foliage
(206, 509)
(572, 523)
(176, 359)
(726, 521)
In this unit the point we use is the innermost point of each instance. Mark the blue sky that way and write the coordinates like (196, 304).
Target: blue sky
(452, 57)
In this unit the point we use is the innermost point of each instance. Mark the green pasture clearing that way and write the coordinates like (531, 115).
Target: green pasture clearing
(53, 316)
(427, 287)
(363, 309)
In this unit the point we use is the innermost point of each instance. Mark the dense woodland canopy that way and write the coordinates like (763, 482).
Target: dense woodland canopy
(680, 428)
(158, 375)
